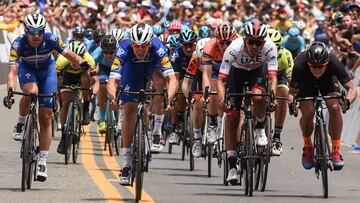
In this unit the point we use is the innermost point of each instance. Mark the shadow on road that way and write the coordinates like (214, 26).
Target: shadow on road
(189, 175)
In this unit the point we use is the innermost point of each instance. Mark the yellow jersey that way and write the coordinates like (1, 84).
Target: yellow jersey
(63, 64)
(285, 62)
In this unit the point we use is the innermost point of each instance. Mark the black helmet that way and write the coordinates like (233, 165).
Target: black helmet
(108, 43)
(98, 33)
(188, 36)
(78, 31)
(317, 53)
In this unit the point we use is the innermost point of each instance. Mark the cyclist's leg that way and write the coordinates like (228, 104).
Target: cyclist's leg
(198, 119)
(86, 83)
(213, 109)
(174, 112)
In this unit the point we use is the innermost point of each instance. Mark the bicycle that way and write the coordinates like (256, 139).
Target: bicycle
(140, 148)
(322, 153)
(248, 153)
(29, 152)
(112, 130)
(72, 127)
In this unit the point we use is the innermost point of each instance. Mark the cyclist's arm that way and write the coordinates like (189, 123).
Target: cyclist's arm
(13, 65)
(114, 79)
(73, 58)
(185, 87)
(272, 69)
(220, 84)
(12, 77)
(289, 61)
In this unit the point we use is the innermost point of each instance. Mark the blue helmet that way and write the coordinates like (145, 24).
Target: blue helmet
(184, 27)
(188, 36)
(166, 24)
(157, 29)
(174, 41)
(88, 33)
(204, 31)
(294, 32)
(78, 31)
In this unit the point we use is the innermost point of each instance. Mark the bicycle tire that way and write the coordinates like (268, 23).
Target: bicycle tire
(25, 154)
(68, 133)
(117, 140)
(53, 125)
(190, 145)
(323, 161)
(140, 160)
(209, 157)
(225, 168)
(265, 158)
(76, 136)
(33, 162)
(249, 160)
(170, 148)
(257, 172)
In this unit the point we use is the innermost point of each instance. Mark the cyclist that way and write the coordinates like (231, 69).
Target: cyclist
(180, 59)
(250, 59)
(104, 57)
(97, 36)
(88, 33)
(78, 33)
(31, 60)
(193, 81)
(158, 30)
(119, 34)
(316, 70)
(294, 42)
(285, 65)
(141, 55)
(173, 43)
(212, 55)
(175, 28)
(76, 77)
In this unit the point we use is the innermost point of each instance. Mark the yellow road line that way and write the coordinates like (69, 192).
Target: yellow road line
(111, 194)
(111, 164)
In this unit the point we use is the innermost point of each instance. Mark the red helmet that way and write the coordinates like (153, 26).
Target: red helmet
(225, 32)
(175, 25)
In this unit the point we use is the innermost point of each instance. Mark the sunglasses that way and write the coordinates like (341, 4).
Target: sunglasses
(188, 46)
(256, 42)
(320, 66)
(108, 52)
(35, 31)
(140, 46)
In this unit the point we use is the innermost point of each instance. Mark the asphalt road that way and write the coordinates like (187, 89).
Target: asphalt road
(94, 178)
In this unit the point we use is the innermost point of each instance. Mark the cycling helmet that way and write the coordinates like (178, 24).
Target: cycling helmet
(255, 30)
(166, 24)
(78, 31)
(34, 21)
(108, 42)
(157, 29)
(174, 41)
(318, 53)
(98, 33)
(88, 33)
(275, 36)
(175, 25)
(141, 34)
(301, 25)
(77, 47)
(185, 27)
(225, 32)
(294, 31)
(204, 31)
(200, 46)
(119, 34)
(188, 36)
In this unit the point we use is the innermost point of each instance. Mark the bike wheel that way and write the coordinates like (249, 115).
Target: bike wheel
(69, 133)
(26, 154)
(225, 168)
(140, 160)
(35, 151)
(249, 160)
(209, 156)
(109, 134)
(117, 143)
(76, 137)
(265, 156)
(53, 125)
(324, 153)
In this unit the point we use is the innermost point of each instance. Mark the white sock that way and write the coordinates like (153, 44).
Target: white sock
(21, 119)
(43, 156)
(197, 133)
(127, 157)
(158, 124)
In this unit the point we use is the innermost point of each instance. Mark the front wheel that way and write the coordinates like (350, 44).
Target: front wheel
(323, 159)
(140, 159)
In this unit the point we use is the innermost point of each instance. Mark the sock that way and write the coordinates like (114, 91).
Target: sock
(277, 132)
(213, 120)
(43, 156)
(335, 145)
(307, 141)
(127, 157)
(158, 124)
(231, 158)
(197, 133)
(260, 123)
(21, 119)
(86, 106)
(102, 115)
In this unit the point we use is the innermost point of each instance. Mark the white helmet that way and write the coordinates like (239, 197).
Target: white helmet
(34, 21)
(119, 34)
(141, 34)
(200, 46)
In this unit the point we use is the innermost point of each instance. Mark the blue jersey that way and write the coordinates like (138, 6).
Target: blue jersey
(98, 56)
(179, 61)
(294, 47)
(91, 46)
(156, 57)
(37, 58)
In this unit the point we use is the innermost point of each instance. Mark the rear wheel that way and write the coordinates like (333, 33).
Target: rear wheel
(225, 168)
(140, 160)
(69, 133)
(249, 160)
(209, 156)
(25, 154)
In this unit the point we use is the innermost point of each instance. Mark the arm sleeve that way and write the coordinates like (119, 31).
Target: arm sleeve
(57, 44)
(341, 73)
(272, 61)
(193, 67)
(207, 54)
(225, 66)
(61, 63)
(289, 63)
(296, 74)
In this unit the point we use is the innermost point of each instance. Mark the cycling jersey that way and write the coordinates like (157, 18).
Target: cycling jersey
(36, 58)
(285, 62)
(179, 61)
(294, 47)
(104, 65)
(62, 64)
(236, 57)
(131, 71)
(91, 46)
(212, 55)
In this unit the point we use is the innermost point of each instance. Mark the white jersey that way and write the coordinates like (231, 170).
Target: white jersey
(236, 57)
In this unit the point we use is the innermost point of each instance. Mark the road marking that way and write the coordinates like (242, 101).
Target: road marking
(114, 167)
(111, 194)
